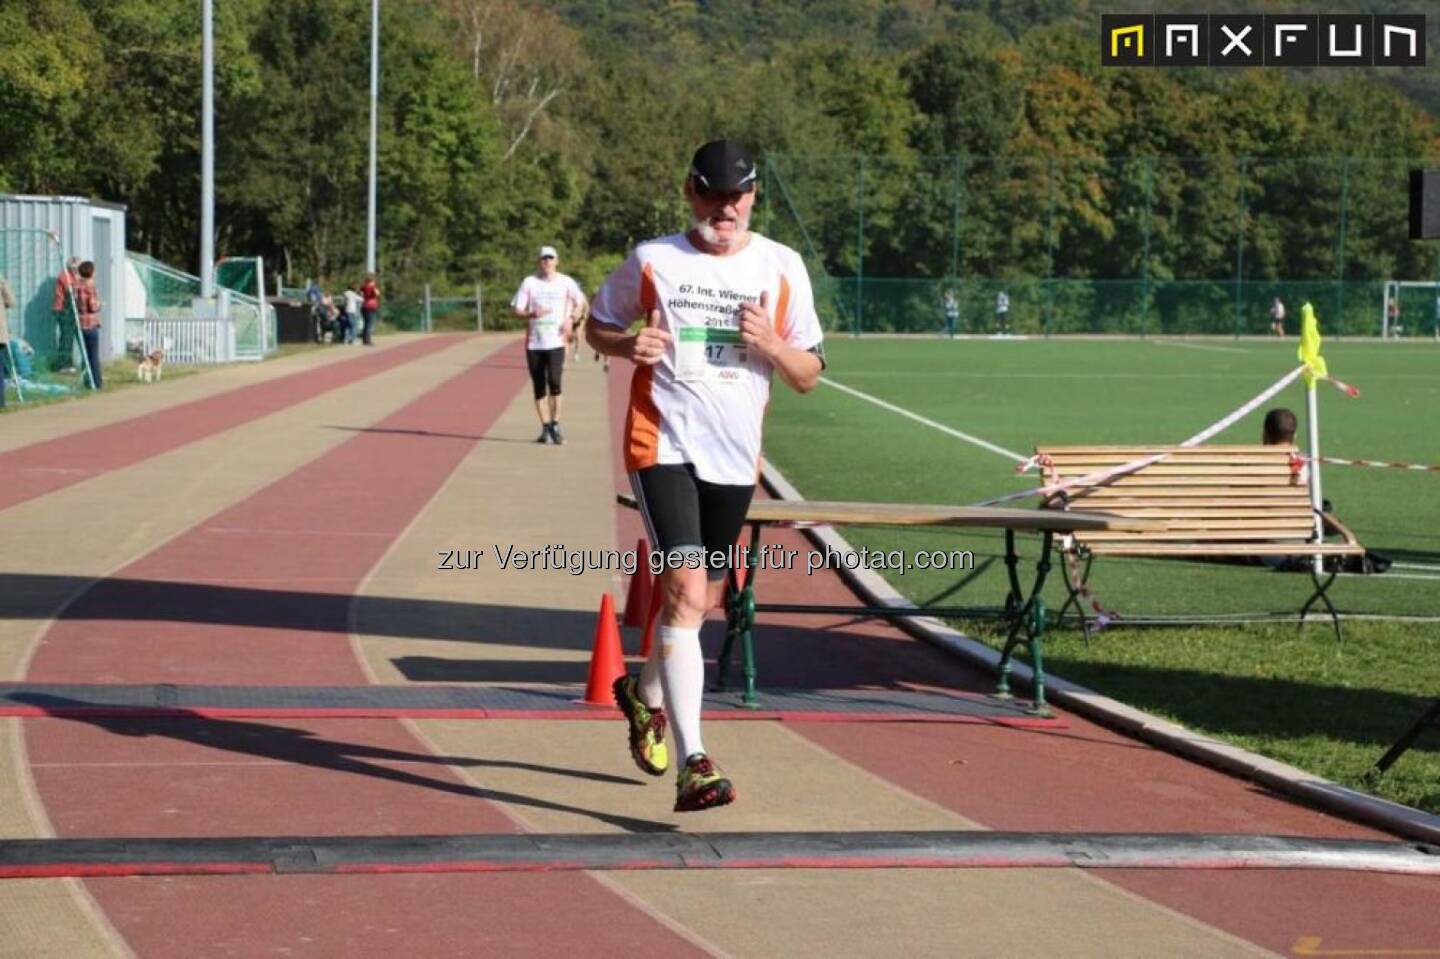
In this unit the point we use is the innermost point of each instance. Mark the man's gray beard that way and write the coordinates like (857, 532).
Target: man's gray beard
(708, 234)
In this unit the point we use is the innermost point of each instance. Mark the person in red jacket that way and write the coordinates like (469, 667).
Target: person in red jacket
(88, 305)
(64, 359)
(369, 306)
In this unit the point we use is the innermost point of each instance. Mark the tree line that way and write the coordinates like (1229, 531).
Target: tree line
(506, 124)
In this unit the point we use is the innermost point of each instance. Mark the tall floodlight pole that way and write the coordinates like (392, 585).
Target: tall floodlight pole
(207, 151)
(374, 128)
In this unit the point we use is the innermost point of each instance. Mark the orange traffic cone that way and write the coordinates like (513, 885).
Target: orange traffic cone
(607, 663)
(637, 600)
(647, 640)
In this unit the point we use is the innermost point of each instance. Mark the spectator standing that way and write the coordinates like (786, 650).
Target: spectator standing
(369, 307)
(63, 307)
(88, 306)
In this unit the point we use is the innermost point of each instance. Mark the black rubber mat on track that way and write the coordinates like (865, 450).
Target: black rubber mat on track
(753, 850)
(498, 702)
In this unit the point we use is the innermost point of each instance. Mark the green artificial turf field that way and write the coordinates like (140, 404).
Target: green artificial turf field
(1294, 694)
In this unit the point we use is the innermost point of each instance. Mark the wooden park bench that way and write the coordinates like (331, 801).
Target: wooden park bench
(1024, 614)
(1212, 502)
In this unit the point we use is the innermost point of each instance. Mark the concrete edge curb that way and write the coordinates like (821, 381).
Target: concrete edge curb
(1283, 778)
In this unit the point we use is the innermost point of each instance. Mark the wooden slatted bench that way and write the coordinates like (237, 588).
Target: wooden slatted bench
(1213, 501)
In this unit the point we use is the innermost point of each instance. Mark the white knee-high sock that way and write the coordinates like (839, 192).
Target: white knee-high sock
(649, 689)
(682, 673)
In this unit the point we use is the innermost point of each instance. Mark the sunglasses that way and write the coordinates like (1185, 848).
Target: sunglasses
(705, 194)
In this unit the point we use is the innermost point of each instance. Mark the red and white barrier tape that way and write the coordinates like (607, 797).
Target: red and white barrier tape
(1384, 464)
(1345, 388)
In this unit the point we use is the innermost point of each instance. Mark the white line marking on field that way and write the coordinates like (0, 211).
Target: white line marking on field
(1426, 579)
(974, 440)
(1200, 346)
(1428, 569)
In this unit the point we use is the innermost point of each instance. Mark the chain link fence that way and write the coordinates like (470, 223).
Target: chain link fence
(1135, 245)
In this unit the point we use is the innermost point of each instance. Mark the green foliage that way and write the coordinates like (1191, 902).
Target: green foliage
(994, 144)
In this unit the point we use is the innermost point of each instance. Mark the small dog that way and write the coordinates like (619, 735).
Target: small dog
(151, 366)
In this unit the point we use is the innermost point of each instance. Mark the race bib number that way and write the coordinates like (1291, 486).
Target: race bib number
(550, 322)
(709, 354)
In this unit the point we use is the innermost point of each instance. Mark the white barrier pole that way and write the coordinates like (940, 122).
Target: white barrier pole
(1312, 417)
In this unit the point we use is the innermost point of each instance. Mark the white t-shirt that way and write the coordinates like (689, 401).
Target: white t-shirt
(352, 302)
(560, 295)
(704, 402)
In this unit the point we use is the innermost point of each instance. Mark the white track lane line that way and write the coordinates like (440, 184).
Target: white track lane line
(973, 440)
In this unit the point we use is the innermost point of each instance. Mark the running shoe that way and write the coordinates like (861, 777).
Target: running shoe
(647, 728)
(555, 436)
(700, 785)
(544, 436)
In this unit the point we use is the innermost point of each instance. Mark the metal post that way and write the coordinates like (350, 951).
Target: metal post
(1317, 501)
(479, 309)
(425, 320)
(1050, 251)
(765, 195)
(1240, 251)
(207, 150)
(860, 251)
(955, 222)
(1145, 254)
(1340, 247)
(374, 130)
(264, 305)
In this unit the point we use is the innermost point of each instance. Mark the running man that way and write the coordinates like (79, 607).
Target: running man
(1277, 317)
(549, 301)
(723, 308)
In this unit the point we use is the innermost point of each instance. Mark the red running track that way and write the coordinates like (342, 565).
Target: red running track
(52, 465)
(1085, 778)
(212, 777)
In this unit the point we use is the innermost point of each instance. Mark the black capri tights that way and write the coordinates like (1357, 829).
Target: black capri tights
(545, 369)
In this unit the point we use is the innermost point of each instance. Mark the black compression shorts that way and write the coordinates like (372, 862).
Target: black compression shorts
(685, 515)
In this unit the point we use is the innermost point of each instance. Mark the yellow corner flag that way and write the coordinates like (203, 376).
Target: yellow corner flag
(1310, 346)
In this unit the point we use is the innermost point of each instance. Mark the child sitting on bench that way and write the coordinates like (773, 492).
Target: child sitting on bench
(1279, 430)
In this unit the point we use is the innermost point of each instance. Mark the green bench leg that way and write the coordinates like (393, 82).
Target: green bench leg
(1073, 586)
(732, 630)
(740, 624)
(1027, 628)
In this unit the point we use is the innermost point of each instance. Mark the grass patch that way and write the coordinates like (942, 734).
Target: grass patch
(120, 373)
(1290, 694)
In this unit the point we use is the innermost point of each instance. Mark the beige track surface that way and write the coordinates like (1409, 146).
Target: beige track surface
(126, 518)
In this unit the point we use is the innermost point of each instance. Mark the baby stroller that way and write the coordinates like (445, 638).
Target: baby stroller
(325, 319)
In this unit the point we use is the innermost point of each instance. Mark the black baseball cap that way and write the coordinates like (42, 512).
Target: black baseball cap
(723, 166)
